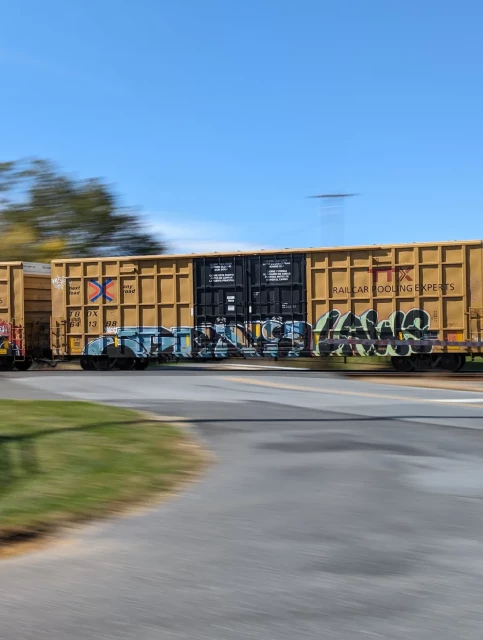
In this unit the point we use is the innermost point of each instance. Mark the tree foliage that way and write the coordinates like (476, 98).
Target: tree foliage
(45, 214)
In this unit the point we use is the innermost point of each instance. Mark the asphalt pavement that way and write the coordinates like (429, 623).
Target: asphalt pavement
(334, 509)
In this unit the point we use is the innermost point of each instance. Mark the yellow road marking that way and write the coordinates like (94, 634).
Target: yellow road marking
(363, 394)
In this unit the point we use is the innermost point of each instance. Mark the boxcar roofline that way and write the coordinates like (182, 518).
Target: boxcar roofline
(270, 251)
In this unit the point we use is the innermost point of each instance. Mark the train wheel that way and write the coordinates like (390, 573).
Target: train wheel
(127, 364)
(104, 363)
(23, 365)
(6, 364)
(87, 364)
(141, 364)
(451, 362)
(402, 364)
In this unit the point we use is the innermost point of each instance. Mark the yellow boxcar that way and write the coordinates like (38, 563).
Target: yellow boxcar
(25, 310)
(113, 310)
(420, 304)
(413, 300)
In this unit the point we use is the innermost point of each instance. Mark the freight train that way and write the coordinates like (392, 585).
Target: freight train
(421, 305)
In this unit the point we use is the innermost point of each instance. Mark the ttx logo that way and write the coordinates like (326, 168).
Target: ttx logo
(399, 274)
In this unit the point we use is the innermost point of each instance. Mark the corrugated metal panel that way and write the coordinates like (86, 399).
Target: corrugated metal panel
(37, 310)
(92, 298)
(405, 291)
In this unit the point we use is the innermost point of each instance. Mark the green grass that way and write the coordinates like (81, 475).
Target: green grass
(64, 462)
(336, 363)
(475, 365)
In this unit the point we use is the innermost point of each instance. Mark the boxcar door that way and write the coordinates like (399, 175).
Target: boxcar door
(277, 311)
(220, 307)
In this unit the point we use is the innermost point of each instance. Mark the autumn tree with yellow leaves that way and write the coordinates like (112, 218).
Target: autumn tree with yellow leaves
(45, 214)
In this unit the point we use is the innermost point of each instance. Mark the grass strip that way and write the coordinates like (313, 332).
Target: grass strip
(66, 462)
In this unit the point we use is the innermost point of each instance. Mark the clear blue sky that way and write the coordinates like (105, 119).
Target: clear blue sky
(218, 118)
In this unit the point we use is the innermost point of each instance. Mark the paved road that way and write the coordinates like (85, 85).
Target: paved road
(335, 509)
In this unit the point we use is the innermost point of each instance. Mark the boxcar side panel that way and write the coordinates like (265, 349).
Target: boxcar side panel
(474, 285)
(11, 309)
(25, 305)
(406, 292)
(135, 299)
(11, 288)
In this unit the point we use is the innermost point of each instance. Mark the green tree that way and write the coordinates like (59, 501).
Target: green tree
(45, 214)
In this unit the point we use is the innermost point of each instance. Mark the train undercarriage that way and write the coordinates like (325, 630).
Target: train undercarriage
(452, 362)
(125, 359)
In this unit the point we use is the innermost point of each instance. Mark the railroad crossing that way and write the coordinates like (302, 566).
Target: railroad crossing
(334, 508)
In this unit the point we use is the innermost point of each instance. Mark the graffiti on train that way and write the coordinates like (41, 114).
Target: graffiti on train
(270, 338)
(276, 338)
(410, 325)
(273, 338)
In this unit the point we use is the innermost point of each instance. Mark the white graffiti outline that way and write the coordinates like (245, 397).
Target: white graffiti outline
(59, 282)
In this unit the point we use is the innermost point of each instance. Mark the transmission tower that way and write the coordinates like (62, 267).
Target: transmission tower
(332, 217)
